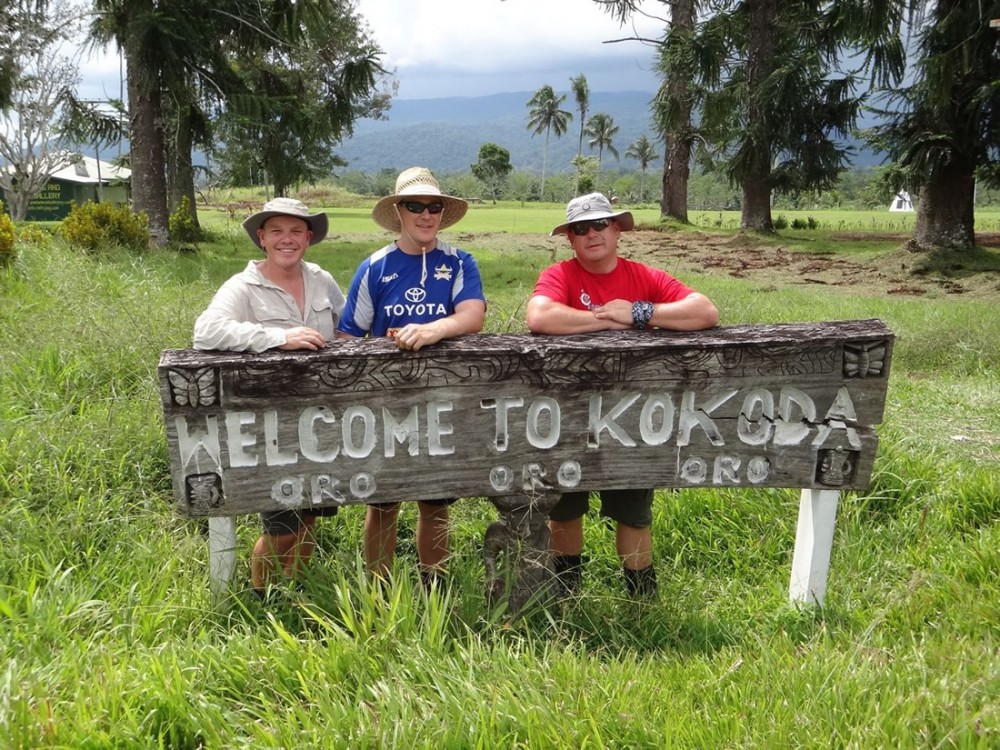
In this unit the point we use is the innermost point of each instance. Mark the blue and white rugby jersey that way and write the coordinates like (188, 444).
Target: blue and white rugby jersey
(392, 288)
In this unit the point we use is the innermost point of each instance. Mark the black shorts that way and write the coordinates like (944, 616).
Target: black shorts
(435, 503)
(630, 507)
(281, 522)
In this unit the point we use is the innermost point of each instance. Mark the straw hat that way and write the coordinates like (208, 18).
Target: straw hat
(318, 223)
(417, 182)
(589, 207)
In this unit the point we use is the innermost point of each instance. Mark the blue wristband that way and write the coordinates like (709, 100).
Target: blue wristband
(642, 313)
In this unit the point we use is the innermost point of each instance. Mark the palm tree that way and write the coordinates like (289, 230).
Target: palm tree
(546, 116)
(602, 129)
(643, 151)
(581, 92)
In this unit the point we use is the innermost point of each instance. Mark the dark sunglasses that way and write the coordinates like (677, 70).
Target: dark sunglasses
(416, 207)
(581, 228)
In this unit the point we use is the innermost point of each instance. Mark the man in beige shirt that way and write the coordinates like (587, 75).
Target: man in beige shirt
(279, 302)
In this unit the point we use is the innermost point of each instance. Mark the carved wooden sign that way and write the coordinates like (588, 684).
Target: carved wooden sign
(790, 405)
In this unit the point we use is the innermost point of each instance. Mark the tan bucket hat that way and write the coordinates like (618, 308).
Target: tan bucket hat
(593, 206)
(417, 182)
(318, 223)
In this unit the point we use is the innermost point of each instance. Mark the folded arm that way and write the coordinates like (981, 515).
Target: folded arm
(693, 313)
(545, 315)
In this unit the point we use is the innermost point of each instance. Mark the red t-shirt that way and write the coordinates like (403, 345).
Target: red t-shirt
(570, 284)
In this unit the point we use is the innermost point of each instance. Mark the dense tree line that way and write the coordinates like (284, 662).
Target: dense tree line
(756, 94)
(760, 90)
(862, 188)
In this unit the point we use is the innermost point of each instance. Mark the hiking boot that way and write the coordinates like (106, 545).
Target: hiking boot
(569, 573)
(641, 584)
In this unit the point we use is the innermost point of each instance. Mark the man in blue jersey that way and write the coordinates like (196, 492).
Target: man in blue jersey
(417, 290)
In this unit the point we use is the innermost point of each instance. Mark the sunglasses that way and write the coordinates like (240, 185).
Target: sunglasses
(582, 228)
(416, 207)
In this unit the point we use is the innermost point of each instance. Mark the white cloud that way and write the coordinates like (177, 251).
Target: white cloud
(444, 48)
(480, 44)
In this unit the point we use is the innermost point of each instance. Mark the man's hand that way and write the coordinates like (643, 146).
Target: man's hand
(303, 337)
(413, 336)
(617, 311)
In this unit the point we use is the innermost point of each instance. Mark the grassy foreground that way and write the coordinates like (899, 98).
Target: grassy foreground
(109, 638)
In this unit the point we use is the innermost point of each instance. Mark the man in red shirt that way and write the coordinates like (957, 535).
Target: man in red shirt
(598, 291)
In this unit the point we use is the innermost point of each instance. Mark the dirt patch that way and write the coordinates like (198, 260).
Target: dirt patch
(897, 273)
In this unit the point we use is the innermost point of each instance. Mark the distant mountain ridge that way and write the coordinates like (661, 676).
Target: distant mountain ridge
(445, 134)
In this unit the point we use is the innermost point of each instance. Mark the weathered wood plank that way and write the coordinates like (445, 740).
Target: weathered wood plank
(741, 406)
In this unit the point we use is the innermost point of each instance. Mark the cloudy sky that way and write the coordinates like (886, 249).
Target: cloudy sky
(480, 47)
(477, 47)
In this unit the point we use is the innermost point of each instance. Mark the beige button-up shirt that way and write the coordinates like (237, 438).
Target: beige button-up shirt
(251, 313)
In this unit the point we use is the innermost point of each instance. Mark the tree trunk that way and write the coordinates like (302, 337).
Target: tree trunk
(756, 183)
(180, 176)
(545, 158)
(676, 171)
(17, 205)
(756, 214)
(149, 183)
(679, 135)
(18, 200)
(945, 219)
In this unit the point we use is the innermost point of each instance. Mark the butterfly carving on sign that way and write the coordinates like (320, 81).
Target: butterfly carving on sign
(194, 387)
(864, 359)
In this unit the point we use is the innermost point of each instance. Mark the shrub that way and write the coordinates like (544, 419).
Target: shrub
(807, 223)
(181, 223)
(7, 236)
(95, 227)
(781, 222)
(32, 234)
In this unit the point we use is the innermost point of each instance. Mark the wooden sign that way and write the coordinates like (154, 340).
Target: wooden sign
(487, 415)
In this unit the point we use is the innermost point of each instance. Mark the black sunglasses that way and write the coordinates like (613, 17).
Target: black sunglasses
(581, 228)
(416, 207)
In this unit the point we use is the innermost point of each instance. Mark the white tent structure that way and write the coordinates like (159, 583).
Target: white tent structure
(901, 202)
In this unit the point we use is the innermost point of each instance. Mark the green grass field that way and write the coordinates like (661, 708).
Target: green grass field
(109, 637)
(514, 217)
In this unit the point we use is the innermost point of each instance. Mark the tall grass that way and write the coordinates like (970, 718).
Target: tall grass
(109, 638)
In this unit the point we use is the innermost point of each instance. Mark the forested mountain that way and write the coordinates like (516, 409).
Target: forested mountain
(445, 134)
